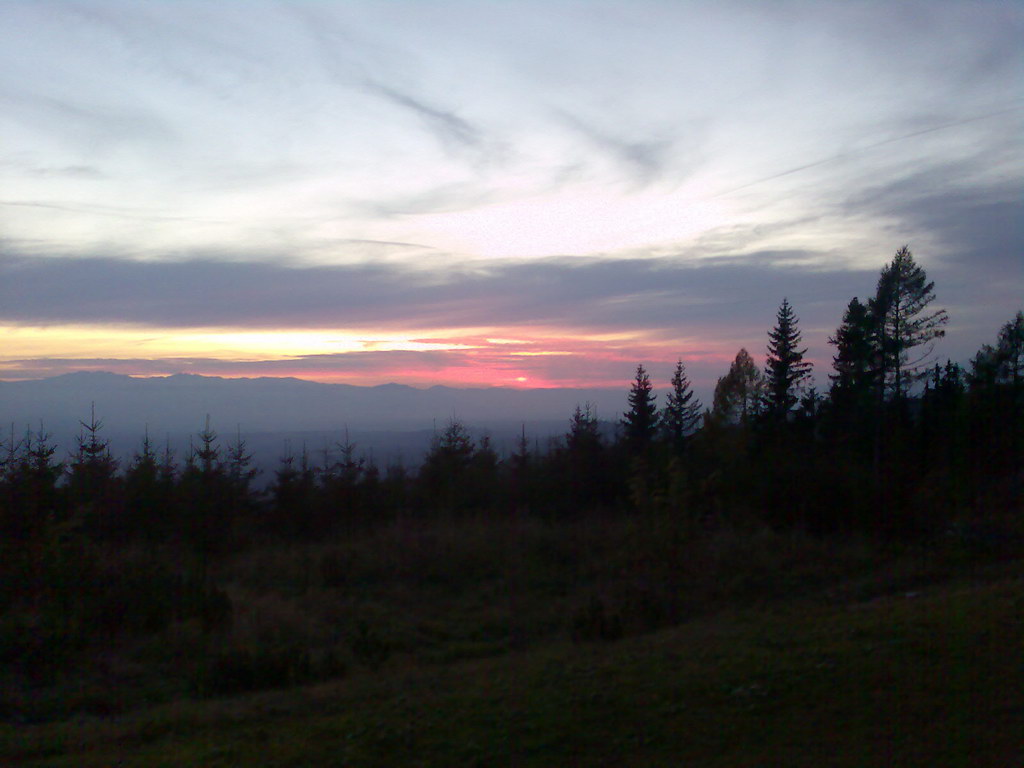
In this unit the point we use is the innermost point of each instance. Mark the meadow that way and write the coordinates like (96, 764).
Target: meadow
(605, 640)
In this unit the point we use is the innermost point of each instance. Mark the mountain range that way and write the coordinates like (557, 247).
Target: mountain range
(279, 414)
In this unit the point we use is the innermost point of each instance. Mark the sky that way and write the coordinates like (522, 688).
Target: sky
(531, 194)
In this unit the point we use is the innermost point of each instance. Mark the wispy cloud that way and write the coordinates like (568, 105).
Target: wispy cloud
(450, 129)
(644, 159)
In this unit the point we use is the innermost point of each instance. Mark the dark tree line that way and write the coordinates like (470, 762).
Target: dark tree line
(770, 445)
(898, 446)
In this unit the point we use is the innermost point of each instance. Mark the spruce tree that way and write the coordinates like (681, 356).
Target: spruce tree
(682, 412)
(583, 434)
(785, 367)
(640, 422)
(857, 359)
(144, 499)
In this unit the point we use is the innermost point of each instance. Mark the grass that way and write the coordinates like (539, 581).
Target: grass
(845, 676)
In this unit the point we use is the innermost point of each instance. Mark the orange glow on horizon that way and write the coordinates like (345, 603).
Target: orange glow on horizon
(523, 357)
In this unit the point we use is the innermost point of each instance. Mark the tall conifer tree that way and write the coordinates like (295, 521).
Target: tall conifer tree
(857, 359)
(785, 367)
(682, 413)
(641, 420)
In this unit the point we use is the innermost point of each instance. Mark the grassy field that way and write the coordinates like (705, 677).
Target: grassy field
(497, 659)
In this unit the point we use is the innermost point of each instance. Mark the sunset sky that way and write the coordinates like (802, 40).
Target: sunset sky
(494, 193)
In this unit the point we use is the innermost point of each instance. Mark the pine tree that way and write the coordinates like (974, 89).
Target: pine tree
(92, 469)
(682, 413)
(581, 474)
(785, 367)
(205, 495)
(144, 500)
(583, 434)
(239, 473)
(208, 456)
(445, 468)
(640, 422)
(857, 360)
(903, 323)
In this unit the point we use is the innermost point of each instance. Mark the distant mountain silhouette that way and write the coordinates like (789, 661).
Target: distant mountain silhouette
(181, 402)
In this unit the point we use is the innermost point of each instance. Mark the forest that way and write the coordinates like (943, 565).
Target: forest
(132, 585)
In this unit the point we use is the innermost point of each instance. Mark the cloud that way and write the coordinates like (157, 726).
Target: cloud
(439, 199)
(115, 211)
(715, 299)
(68, 171)
(573, 362)
(968, 233)
(450, 129)
(87, 124)
(645, 160)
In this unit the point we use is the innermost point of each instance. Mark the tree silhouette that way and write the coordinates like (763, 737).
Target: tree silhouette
(206, 495)
(857, 360)
(640, 422)
(682, 413)
(208, 455)
(92, 471)
(583, 432)
(292, 496)
(1004, 363)
(31, 476)
(739, 393)
(147, 495)
(996, 382)
(1010, 349)
(785, 367)
(445, 470)
(903, 323)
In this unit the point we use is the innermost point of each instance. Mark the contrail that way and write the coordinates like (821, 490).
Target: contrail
(848, 153)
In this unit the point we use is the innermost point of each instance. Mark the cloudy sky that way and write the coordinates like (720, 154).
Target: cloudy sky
(494, 193)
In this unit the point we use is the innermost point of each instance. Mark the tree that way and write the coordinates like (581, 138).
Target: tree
(738, 394)
(292, 510)
(205, 495)
(1010, 349)
(146, 494)
(209, 455)
(857, 361)
(445, 470)
(30, 477)
(1004, 363)
(682, 413)
(785, 367)
(92, 470)
(641, 420)
(583, 434)
(996, 383)
(903, 323)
